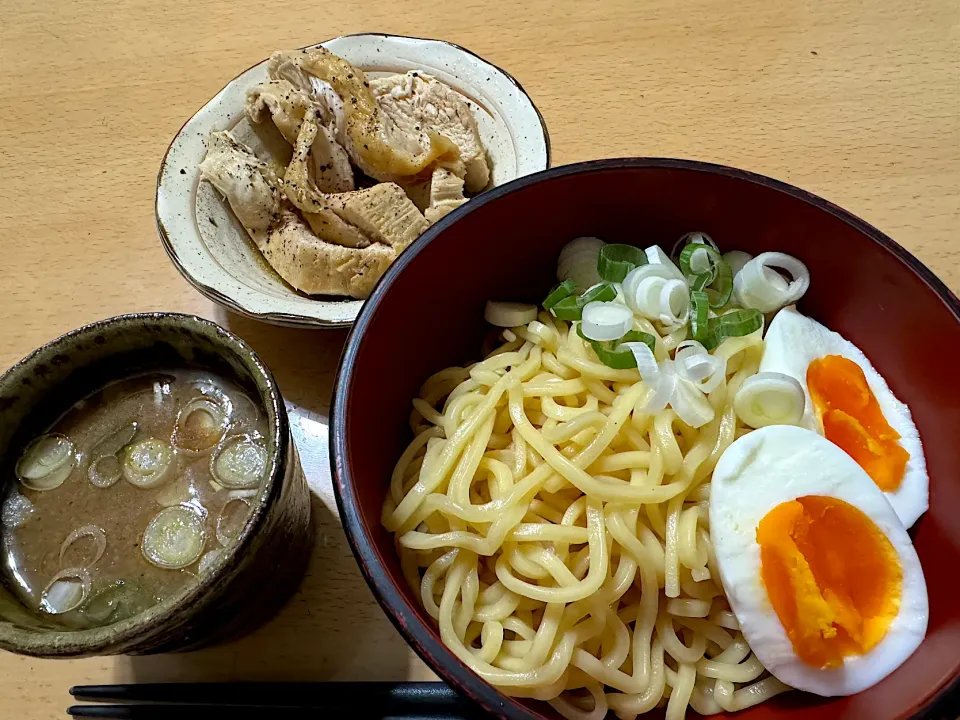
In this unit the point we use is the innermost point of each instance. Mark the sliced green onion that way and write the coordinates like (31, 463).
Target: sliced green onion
(700, 238)
(564, 289)
(734, 324)
(201, 424)
(614, 354)
(66, 591)
(567, 309)
(233, 518)
(114, 442)
(571, 307)
(174, 538)
(701, 280)
(509, 314)
(699, 314)
(578, 262)
(606, 321)
(604, 292)
(99, 538)
(721, 288)
(240, 462)
(716, 278)
(47, 462)
(208, 560)
(148, 463)
(769, 398)
(687, 260)
(615, 261)
(118, 601)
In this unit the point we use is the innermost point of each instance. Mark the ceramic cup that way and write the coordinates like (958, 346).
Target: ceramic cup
(252, 578)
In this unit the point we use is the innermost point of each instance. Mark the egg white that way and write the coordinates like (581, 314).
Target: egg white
(777, 464)
(793, 341)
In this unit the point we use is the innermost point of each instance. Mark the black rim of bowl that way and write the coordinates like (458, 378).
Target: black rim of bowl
(96, 640)
(403, 616)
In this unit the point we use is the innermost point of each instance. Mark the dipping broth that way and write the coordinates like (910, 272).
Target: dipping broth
(131, 495)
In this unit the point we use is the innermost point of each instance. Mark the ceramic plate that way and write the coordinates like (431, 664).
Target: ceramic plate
(213, 251)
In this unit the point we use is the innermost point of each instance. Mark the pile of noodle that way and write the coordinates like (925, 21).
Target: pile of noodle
(559, 536)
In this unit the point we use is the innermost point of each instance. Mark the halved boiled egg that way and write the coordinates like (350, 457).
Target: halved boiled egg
(820, 572)
(850, 403)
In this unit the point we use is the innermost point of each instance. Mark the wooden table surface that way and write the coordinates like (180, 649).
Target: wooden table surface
(858, 101)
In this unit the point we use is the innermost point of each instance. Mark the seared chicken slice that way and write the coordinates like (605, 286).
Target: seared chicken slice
(419, 104)
(383, 212)
(304, 260)
(249, 184)
(376, 144)
(446, 194)
(287, 105)
(332, 172)
(285, 66)
(316, 267)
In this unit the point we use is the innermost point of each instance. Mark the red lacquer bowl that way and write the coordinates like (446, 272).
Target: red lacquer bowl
(427, 314)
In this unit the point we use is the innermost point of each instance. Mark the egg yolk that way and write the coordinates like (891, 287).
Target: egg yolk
(852, 419)
(832, 576)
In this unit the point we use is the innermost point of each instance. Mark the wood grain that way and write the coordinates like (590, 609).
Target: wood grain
(857, 101)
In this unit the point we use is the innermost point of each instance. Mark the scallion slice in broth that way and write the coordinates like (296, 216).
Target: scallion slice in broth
(208, 560)
(174, 538)
(114, 442)
(98, 536)
(66, 591)
(148, 463)
(233, 517)
(118, 601)
(105, 471)
(200, 426)
(47, 462)
(240, 462)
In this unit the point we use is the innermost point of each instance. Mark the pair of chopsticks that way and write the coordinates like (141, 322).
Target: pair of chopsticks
(239, 701)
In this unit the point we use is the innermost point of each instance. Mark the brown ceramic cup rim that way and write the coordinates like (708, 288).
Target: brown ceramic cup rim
(401, 613)
(43, 642)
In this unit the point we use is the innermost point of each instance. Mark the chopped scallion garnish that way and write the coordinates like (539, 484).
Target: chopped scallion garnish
(613, 354)
(571, 307)
(721, 288)
(733, 324)
(563, 290)
(699, 313)
(567, 309)
(615, 261)
(687, 260)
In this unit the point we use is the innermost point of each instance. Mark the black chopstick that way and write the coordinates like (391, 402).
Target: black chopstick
(145, 701)
(248, 712)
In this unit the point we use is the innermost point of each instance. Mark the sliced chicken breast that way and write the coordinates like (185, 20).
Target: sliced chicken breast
(287, 105)
(376, 144)
(316, 267)
(446, 194)
(418, 105)
(382, 213)
(249, 184)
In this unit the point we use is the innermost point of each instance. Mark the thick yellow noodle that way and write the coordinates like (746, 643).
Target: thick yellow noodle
(558, 534)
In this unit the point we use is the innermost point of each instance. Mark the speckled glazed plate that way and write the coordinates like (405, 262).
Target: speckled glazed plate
(212, 250)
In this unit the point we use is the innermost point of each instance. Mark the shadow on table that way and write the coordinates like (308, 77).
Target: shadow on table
(332, 628)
